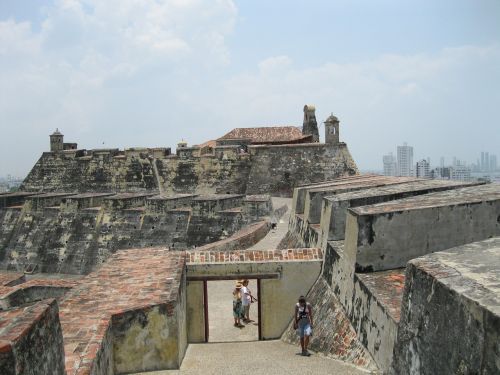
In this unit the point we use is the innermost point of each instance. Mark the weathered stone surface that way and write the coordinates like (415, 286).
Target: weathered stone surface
(274, 169)
(278, 169)
(75, 233)
(9, 279)
(31, 341)
(314, 196)
(335, 207)
(450, 318)
(374, 312)
(13, 199)
(387, 235)
(128, 316)
(371, 301)
(33, 290)
(243, 239)
(300, 192)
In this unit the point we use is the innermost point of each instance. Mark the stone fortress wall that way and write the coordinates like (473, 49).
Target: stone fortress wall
(274, 169)
(75, 233)
(253, 165)
(437, 313)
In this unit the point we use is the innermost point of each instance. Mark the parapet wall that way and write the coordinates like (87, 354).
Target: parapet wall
(278, 169)
(420, 225)
(450, 318)
(128, 316)
(31, 340)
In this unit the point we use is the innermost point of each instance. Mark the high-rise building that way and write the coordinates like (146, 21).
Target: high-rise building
(486, 162)
(423, 169)
(405, 160)
(493, 163)
(390, 165)
(460, 172)
(483, 164)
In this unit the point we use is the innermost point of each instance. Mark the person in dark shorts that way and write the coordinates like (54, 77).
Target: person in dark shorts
(303, 323)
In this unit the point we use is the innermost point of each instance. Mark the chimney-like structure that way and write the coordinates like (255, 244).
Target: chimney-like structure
(56, 141)
(332, 130)
(310, 126)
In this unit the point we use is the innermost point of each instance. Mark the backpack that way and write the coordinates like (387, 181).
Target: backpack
(305, 312)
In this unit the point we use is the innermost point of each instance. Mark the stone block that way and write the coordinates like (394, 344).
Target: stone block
(31, 340)
(387, 235)
(450, 317)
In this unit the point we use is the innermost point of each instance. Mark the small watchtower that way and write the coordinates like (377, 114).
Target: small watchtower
(56, 141)
(310, 126)
(332, 130)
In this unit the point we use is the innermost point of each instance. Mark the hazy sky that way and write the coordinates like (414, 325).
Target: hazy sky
(125, 73)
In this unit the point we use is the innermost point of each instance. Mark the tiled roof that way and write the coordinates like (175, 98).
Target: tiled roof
(271, 134)
(210, 143)
(238, 256)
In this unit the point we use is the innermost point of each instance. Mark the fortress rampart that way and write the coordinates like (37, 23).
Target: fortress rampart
(75, 233)
(411, 265)
(274, 169)
(266, 160)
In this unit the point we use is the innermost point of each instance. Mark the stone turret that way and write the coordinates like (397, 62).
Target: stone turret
(310, 126)
(332, 130)
(56, 141)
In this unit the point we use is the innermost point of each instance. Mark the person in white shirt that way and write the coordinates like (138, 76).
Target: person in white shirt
(246, 300)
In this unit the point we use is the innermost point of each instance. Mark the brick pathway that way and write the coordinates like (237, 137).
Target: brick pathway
(130, 279)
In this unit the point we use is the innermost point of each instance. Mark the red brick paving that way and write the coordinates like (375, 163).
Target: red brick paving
(57, 283)
(304, 254)
(8, 278)
(129, 280)
(17, 322)
(387, 287)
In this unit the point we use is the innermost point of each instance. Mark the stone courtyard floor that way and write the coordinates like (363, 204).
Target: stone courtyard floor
(258, 357)
(220, 314)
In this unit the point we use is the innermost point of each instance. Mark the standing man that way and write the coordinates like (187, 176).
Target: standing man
(303, 323)
(246, 300)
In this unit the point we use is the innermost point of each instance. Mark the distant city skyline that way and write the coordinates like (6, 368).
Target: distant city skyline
(404, 164)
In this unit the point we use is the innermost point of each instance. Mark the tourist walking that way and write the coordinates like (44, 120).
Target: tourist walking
(237, 305)
(303, 323)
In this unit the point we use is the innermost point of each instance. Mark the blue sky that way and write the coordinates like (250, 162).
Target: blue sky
(122, 73)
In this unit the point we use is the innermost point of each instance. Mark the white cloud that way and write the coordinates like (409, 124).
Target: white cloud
(430, 100)
(274, 64)
(17, 39)
(150, 72)
(93, 67)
